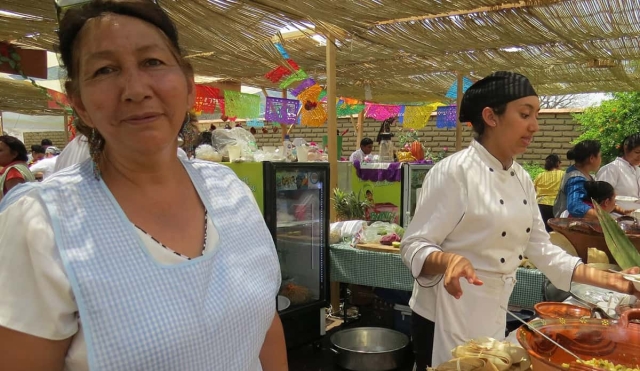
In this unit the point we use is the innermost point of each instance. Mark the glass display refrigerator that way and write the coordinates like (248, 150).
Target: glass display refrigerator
(412, 178)
(294, 198)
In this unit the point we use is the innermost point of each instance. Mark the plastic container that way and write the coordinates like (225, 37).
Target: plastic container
(402, 319)
(302, 152)
(288, 146)
(235, 152)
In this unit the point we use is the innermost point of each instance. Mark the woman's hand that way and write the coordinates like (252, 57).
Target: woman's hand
(459, 267)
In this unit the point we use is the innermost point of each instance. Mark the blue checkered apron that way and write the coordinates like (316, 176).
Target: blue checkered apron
(209, 313)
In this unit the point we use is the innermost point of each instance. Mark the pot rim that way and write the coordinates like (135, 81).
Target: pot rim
(406, 339)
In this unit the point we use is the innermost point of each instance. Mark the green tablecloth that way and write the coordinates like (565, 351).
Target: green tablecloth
(378, 269)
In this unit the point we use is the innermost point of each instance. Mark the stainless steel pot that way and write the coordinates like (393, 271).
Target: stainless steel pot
(369, 348)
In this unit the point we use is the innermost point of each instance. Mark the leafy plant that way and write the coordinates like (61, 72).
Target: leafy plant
(611, 122)
(533, 169)
(349, 206)
(434, 156)
(621, 247)
(406, 137)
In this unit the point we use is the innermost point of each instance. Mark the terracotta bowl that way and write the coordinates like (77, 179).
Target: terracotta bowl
(551, 310)
(613, 341)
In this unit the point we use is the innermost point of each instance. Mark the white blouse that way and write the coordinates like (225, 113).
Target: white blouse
(35, 293)
(471, 206)
(624, 177)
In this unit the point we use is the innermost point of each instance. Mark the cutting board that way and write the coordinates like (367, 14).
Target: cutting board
(378, 248)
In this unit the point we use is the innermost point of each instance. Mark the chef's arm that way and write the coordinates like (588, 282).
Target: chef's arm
(273, 355)
(603, 279)
(23, 352)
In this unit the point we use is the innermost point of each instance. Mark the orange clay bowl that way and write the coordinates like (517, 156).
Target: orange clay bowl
(550, 310)
(613, 341)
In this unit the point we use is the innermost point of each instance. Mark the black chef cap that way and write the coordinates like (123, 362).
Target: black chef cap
(494, 90)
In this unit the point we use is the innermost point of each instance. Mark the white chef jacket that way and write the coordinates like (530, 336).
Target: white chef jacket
(45, 166)
(357, 155)
(624, 177)
(471, 206)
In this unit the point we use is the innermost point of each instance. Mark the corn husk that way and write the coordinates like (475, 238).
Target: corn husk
(621, 247)
(466, 364)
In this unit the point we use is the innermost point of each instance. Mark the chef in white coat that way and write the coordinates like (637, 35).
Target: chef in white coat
(476, 220)
(623, 173)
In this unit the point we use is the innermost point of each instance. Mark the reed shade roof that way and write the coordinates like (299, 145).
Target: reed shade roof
(406, 50)
(22, 97)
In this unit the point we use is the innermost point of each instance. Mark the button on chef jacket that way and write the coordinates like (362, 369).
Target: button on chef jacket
(471, 206)
(624, 177)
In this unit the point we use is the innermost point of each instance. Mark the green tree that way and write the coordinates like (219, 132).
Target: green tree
(611, 122)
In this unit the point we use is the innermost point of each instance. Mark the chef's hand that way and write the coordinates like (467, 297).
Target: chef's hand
(459, 267)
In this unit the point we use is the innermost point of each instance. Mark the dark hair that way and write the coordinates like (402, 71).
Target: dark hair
(551, 162)
(598, 191)
(366, 142)
(630, 143)
(46, 142)
(37, 148)
(75, 18)
(582, 151)
(16, 146)
(478, 123)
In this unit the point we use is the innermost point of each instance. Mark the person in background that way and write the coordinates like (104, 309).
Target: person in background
(366, 146)
(46, 143)
(600, 192)
(547, 185)
(129, 261)
(570, 201)
(13, 164)
(623, 173)
(475, 222)
(47, 165)
(37, 154)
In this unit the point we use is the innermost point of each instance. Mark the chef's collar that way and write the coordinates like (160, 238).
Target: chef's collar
(490, 160)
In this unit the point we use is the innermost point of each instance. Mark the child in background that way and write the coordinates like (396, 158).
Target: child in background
(602, 193)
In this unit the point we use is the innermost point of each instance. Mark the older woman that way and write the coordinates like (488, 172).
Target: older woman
(135, 260)
(623, 173)
(13, 164)
(465, 242)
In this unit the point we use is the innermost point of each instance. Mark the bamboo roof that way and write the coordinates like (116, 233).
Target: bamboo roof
(406, 50)
(22, 97)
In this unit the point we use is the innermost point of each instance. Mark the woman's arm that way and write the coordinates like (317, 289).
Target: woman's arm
(605, 280)
(576, 195)
(23, 352)
(273, 355)
(12, 183)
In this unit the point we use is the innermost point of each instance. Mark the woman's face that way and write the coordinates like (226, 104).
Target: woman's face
(632, 156)
(6, 155)
(516, 126)
(595, 162)
(131, 86)
(609, 204)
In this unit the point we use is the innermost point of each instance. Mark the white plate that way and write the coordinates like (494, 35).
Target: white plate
(627, 198)
(283, 303)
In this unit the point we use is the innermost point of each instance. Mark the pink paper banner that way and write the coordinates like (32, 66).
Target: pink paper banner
(381, 112)
(284, 111)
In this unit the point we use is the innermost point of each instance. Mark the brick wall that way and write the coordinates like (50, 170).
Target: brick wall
(58, 138)
(557, 130)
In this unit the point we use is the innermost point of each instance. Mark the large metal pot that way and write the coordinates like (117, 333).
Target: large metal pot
(369, 348)
(616, 342)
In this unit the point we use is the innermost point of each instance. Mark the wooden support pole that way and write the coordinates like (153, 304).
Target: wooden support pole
(66, 126)
(283, 127)
(332, 127)
(1, 124)
(458, 123)
(360, 129)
